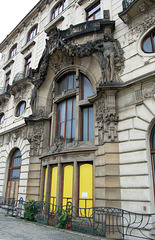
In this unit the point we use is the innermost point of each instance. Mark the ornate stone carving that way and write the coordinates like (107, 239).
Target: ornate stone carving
(62, 49)
(35, 137)
(106, 118)
(110, 122)
(61, 144)
(99, 125)
(149, 92)
(21, 93)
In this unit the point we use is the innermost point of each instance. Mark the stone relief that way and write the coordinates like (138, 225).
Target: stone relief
(63, 49)
(99, 126)
(149, 92)
(35, 137)
(61, 144)
(21, 93)
(134, 33)
(110, 122)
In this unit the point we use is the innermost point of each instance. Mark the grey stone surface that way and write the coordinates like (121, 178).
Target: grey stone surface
(15, 228)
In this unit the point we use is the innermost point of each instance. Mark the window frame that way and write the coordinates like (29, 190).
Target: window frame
(7, 80)
(58, 6)
(1, 118)
(13, 51)
(10, 171)
(19, 107)
(150, 35)
(28, 60)
(152, 151)
(32, 33)
(88, 18)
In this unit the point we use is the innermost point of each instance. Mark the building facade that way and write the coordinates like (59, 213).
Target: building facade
(77, 104)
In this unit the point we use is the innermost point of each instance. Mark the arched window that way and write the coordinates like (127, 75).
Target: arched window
(33, 32)
(148, 44)
(152, 146)
(68, 108)
(13, 175)
(58, 9)
(13, 51)
(20, 108)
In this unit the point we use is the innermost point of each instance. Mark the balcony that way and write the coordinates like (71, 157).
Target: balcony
(4, 93)
(133, 8)
(21, 79)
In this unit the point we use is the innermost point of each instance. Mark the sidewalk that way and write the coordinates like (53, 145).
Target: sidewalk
(14, 228)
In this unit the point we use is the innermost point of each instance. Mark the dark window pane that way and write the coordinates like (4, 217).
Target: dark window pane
(98, 15)
(147, 45)
(94, 10)
(85, 125)
(15, 173)
(17, 162)
(153, 139)
(153, 157)
(70, 82)
(68, 129)
(91, 124)
(87, 88)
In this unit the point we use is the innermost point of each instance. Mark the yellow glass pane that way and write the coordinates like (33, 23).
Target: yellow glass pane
(86, 189)
(67, 184)
(45, 180)
(53, 188)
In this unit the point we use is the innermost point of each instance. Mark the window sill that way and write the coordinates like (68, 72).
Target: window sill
(28, 46)
(51, 24)
(8, 64)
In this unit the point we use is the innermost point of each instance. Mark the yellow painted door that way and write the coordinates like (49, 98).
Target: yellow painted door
(45, 180)
(53, 191)
(67, 184)
(85, 189)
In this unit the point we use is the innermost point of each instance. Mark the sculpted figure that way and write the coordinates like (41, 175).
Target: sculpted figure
(108, 49)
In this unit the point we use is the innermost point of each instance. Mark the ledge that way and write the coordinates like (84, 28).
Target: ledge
(51, 24)
(134, 9)
(28, 46)
(8, 63)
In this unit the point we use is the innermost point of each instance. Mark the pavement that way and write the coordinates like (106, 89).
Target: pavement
(12, 228)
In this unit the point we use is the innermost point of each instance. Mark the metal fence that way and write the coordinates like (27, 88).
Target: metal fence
(98, 221)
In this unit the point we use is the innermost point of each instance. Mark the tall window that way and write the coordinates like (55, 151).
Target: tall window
(94, 12)
(152, 145)
(148, 44)
(13, 175)
(1, 118)
(7, 81)
(69, 105)
(32, 33)
(20, 108)
(27, 65)
(66, 118)
(13, 51)
(58, 9)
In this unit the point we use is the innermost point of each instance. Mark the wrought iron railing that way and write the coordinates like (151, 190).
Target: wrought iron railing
(22, 75)
(100, 221)
(127, 3)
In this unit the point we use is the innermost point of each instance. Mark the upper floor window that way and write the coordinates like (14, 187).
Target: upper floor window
(27, 65)
(94, 12)
(32, 33)
(148, 44)
(67, 82)
(7, 81)
(70, 106)
(58, 9)
(1, 118)
(13, 51)
(20, 108)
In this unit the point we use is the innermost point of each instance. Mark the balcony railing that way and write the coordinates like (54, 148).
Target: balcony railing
(127, 3)
(4, 90)
(22, 75)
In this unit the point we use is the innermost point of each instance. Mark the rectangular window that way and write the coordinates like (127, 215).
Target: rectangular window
(94, 12)
(7, 81)
(87, 124)
(27, 65)
(66, 118)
